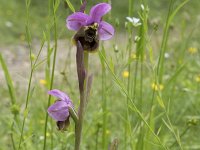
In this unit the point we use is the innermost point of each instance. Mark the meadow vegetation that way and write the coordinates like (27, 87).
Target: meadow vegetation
(146, 79)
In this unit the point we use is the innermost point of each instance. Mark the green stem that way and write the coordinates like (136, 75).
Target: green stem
(12, 139)
(12, 95)
(31, 72)
(51, 134)
(134, 107)
(52, 73)
(103, 78)
(182, 134)
(26, 105)
(135, 79)
(141, 87)
(97, 137)
(130, 13)
(160, 68)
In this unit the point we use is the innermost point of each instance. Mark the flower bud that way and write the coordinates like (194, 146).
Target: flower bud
(15, 109)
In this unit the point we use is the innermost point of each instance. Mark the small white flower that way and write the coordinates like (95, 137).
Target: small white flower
(41, 137)
(135, 21)
(136, 39)
(166, 55)
(8, 24)
(129, 19)
(142, 6)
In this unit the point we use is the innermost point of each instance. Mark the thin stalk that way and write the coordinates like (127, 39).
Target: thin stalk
(79, 124)
(97, 137)
(134, 107)
(151, 105)
(182, 134)
(12, 139)
(174, 133)
(48, 64)
(26, 105)
(170, 16)
(148, 146)
(104, 100)
(12, 95)
(52, 73)
(135, 78)
(33, 66)
(140, 144)
(51, 134)
(141, 86)
(31, 72)
(140, 53)
(128, 89)
(164, 43)
(130, 13)
(104, 107)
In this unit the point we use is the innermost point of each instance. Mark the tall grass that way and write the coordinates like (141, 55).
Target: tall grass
(51, 81)
(32, 68)
(134, 112)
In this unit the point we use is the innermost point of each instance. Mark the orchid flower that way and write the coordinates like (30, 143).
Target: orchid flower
(59, 111)
(78, 20)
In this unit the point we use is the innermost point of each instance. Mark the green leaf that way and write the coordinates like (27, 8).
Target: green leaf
(70, 5)
(167, 125)
(8, 80)
(56, 5)
(160, 102)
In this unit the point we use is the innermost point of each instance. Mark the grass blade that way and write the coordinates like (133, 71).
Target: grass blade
(8, 80)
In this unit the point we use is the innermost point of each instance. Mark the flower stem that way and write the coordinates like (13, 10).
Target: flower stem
(79, 124)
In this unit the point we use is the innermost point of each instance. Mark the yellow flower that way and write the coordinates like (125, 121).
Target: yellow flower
(47, 134)
(157, 87)
(161, 87)
(32, 57)
(197, 78)
(107, 132)
(133, 56)
(43, 82)
(192, 50)
(125, 74)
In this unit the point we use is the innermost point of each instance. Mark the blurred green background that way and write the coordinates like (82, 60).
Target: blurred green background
(13, 16)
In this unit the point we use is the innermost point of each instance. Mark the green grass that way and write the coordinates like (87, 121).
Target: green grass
(126, 110)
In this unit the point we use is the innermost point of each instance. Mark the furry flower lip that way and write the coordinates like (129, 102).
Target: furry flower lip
(91, 28)
(59, 111)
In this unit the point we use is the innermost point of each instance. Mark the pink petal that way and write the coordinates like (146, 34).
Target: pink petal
(76, 20)
(106, 31)
(98, 11)
(59, 110)
(59, 94)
